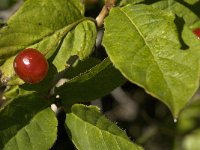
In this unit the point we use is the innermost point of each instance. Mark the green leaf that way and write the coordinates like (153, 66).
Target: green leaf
(81, 66)
(79, 42)
(92, 84)
(191, 20)
(36, 20)
(180, 10)
(17, 114)
(142, 43)
(12, 92)
(90, 130)
(39, 134)
(42, 25)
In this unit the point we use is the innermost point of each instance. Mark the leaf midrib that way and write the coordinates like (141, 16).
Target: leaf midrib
(154, 59)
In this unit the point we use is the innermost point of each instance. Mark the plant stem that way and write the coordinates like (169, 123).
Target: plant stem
(104, 12)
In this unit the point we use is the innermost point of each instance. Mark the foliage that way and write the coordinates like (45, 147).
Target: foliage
(148, 43)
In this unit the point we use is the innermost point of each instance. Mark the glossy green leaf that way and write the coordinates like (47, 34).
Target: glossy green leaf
(18, 113)
(92, 84)
(90, 130)
(39, 134)
(79, 42)
(142, 43)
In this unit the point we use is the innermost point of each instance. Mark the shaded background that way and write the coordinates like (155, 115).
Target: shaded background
(146, 120)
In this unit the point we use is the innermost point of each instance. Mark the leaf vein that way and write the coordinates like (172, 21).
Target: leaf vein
(29, 139)
(103, 139)
(86, 133)
(149, 50)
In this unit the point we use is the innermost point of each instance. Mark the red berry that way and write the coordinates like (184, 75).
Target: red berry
(31, 66)
(197, 32)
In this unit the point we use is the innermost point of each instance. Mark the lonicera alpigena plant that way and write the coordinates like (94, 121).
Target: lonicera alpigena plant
(145, 44)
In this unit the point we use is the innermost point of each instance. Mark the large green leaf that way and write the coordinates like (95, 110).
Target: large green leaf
(142, 43)
(92, 84)
(18, 113)
(90, 130)
(39, 134)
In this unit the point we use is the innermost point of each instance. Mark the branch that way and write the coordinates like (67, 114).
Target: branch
(104, 12)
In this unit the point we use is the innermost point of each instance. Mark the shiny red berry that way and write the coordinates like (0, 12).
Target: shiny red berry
(31, 66)
(197, 32)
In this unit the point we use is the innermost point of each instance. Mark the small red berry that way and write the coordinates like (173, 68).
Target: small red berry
(30, 65)
(197, 32)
